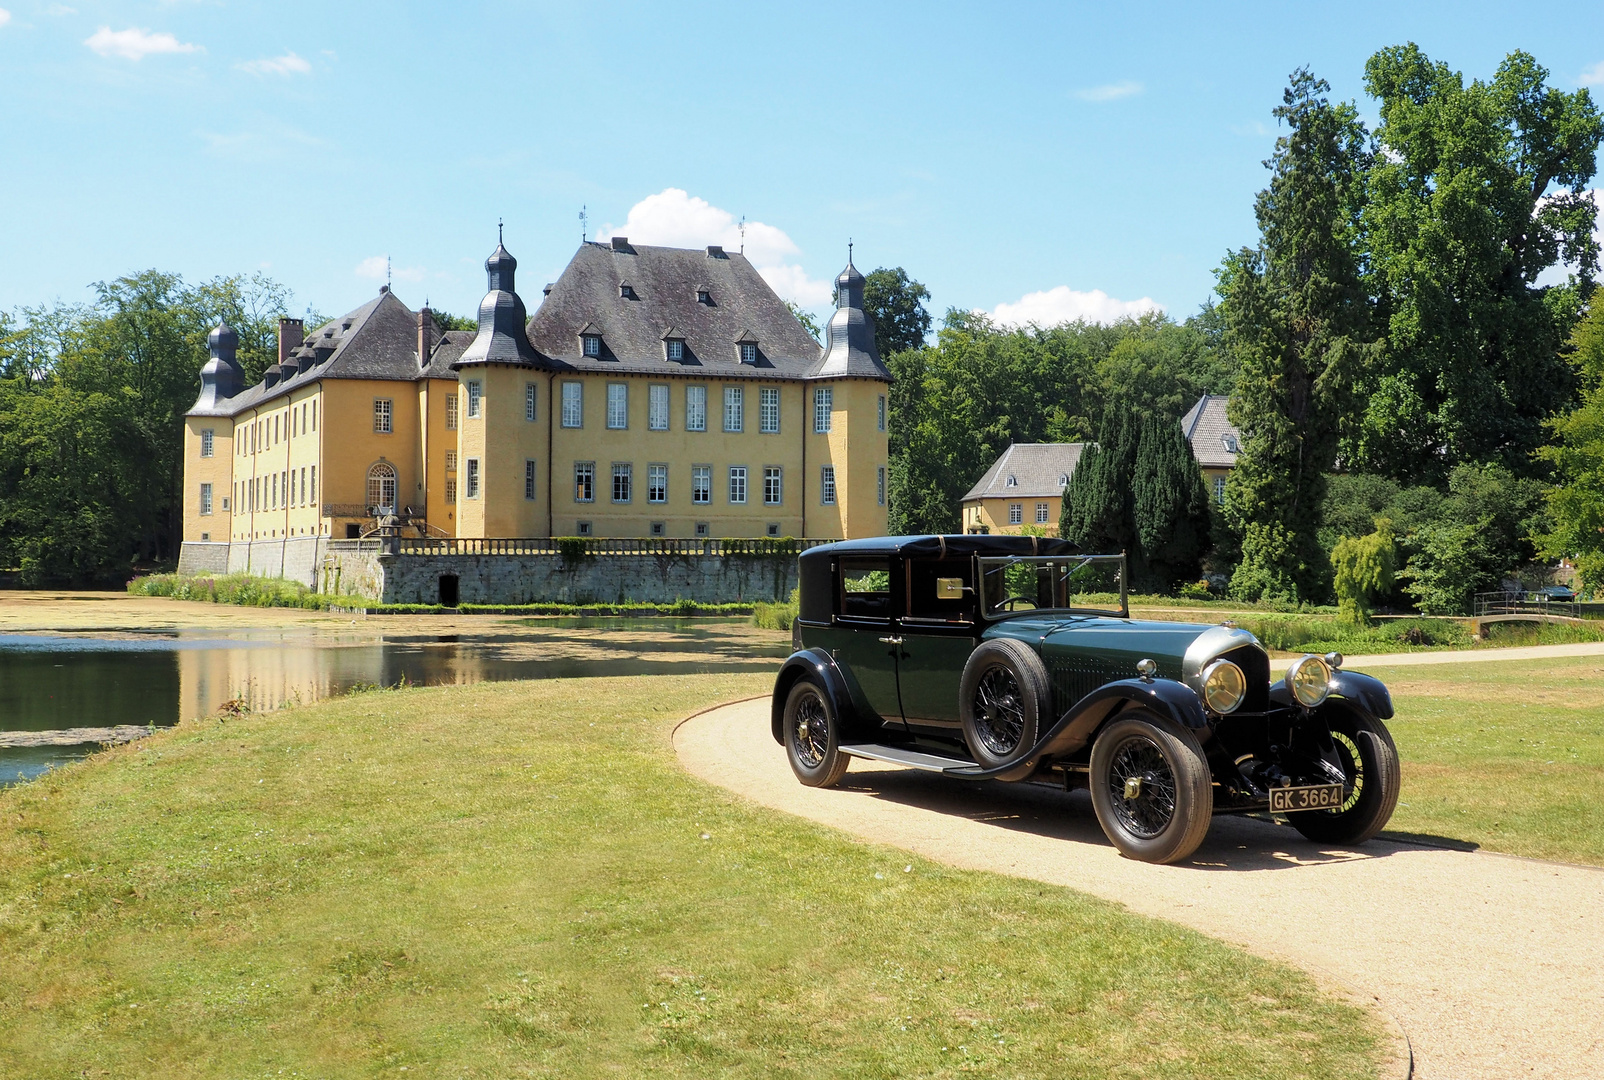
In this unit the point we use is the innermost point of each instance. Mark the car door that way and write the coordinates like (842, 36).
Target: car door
(864, 643)
(938, 632)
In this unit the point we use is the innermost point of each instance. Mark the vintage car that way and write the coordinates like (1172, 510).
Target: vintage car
(996, 657)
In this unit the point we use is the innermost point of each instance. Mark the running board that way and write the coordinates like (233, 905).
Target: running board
(911, 759)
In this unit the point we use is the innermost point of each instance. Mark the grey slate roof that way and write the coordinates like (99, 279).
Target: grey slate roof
(666, 281)
(1039, 470)
(849, 348)
(1214, 441)
(501, 338)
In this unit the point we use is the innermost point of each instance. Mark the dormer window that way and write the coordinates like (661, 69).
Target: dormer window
(1063, 479)
(592, 344)
(703, 296)
(676, 349)
(748, 353)
(1013, 481)
(1229, 440)
(626, 291)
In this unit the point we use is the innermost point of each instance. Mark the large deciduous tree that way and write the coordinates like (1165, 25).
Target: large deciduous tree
(1476, 190)
(896, 305)
(1297, 318)
(1576, 503)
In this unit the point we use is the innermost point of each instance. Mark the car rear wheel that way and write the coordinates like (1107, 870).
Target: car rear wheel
(812, 736)
(1370, 763)
(1151, 788)
(1001, 698)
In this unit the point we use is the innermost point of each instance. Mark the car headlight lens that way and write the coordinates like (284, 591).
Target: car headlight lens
(1309, 679)
(1224, 686)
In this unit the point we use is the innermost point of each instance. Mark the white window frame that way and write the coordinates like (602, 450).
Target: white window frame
(657, 407)
(657, 483)
(701, 485)
(623, 471)
(768, 410)
(880, 485)
(696, 407)
(529, 478)
(592, 344)
(617, 406)
(675, 349)
(823, 408)
(734, 408)
(383, 416)
(314, 479)
(1041, 513)
(1016, 513)
(531, 400)
(737, 487)
(451, 412)
(471, 487)
(827, 491)
(880, 408)
(584, 481)
(475, 401)
(205, 500)
(773, 485)
(1219, 491)
(573, 404)
(208, 442)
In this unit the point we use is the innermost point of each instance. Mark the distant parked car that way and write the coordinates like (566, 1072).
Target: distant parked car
(969, 656)
(1557, 593)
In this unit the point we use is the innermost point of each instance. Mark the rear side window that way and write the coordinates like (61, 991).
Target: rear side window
(941, 590)
(866, 588)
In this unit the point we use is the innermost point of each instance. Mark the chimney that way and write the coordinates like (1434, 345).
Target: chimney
(621, 243)
(291, 332)
(426, 330)
(715, 251)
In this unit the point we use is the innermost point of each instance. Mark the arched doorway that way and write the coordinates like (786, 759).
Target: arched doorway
(381, 486)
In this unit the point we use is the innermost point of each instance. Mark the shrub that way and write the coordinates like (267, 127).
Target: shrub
(1364, 568)
(776, 616)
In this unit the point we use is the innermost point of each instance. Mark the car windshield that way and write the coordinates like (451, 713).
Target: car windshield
(1083, 583)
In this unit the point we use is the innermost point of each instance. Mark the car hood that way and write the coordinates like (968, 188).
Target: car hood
(1118, 643)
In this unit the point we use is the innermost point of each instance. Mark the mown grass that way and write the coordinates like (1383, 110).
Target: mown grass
(1508, 755)
(515, 879)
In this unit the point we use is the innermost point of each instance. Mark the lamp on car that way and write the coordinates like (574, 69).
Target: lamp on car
(1309, 679)
(1224, 686)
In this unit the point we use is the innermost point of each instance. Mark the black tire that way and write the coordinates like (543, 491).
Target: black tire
(1001, 699)
(813, 736)
(1173, 802)
(1370, 761)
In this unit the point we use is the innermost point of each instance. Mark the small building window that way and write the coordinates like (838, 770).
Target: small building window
(701, 485)
(696, 408)
(658, 529)
(748, 352)
(676, 349)
(314, 484)
(657, 407)
(1219, 490)
(451, 461)
(529, 478)
(703, 296)
(626, 291)
(1016, 513)
(592, 344)
(881, 413)
(584, 481)
(617, 405)
(773, 485)
(472, 491)
(206, 499)
(1063, 479)
(573, 404)
(774, 528)
(451, 412)
(623, 482)
(656, 483)
(823, 407)
(1041, 513)
(314, 414)
(701, 528)
(1013, 481)
(584, 528)
(451, 489)
(768, 410)
(206, 442)
(880, 485)
(225, 504)
(382, 415)
(827, 485)
(529, 401)
(734, 408)
(474, 391)
(738, 485)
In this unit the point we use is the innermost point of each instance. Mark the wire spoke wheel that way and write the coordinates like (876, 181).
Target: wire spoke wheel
(999, 712)
(1142, 787)
(1353, 770)
(811, 735)
(812, 732)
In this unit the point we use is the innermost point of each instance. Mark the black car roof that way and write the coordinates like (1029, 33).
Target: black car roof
(938, 546)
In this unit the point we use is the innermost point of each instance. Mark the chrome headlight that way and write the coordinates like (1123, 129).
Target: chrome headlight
(1224, 686)
(1309, 679)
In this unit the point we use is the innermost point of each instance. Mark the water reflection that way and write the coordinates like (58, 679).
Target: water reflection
(95, 680)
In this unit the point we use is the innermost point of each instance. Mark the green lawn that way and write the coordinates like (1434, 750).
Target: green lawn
(515, 879)
(1508, 755)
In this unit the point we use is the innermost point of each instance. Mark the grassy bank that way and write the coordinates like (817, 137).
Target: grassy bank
(1508, 755)
(515, 879)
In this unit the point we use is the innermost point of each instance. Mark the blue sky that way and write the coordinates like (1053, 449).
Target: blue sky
(1033, 160)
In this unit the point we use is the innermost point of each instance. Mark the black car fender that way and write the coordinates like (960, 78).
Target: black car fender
(821, 667)
(1365, 692)
(1080, 723)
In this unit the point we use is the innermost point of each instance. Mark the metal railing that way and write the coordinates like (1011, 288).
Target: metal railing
(581, 546)
(1509, 603)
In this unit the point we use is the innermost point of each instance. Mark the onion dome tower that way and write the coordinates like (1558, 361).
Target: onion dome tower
(502, 337)
(221, 376)
(849, 348)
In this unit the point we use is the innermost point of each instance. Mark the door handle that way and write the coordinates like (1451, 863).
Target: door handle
(891, 641)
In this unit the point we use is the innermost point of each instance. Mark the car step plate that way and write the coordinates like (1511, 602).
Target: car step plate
(1288, 800)
(912, 759)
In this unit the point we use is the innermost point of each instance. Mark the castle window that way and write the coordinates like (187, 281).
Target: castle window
(451, 461)
(623, 482)
(738, 485)
(1013, 481)
(773, 485)
(584, 481)
(381, 485)
(748, 352)
(1219, 490)
(474, 394)
(206, 499)
(592, 344)
(734, 408)
(206, 443)
(382, 415)
(701, 528)
(1041, 513)
(656, 483)
(1016, 513)
(626, 291)
(529, 401)
(658, 529)
(584, 528)
(774, 528)
(314, 485)
(618, 405)
(696, 408)
(881, 413)
(573, 404)
(676, 348)
(703, 296)
(1063, 479)
(827, 485)
(472, 485)
(451, 412)
(657, 407)
(823, 406)
(529, 478)
(701, 485)
(880, 485)
(451, 489)
(768, 410)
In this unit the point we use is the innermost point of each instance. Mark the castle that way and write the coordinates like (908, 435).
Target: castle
(655, 392)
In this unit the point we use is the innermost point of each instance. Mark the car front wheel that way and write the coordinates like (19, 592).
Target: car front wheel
(1151, 788)
(1370, 766)
(812, 736)
(1001, 698)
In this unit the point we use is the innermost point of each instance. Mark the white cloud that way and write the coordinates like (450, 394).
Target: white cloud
(376, 267)
(1593, 76)
(1063, 304)
(288, 64)
(5, 16)
(136, 44)
(675, 218)
(1110, 91)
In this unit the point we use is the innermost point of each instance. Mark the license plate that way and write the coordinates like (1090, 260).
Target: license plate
(1286, 800)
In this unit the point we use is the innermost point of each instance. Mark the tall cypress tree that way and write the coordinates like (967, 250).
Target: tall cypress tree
(1097, 503)
(1170, 507)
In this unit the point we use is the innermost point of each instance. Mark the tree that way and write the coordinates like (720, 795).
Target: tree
(1098, 512)
(895, 302)
(1365, 567)
(1477, 190)
(449, 321)
(1170, 506)
(1479, 538)
(1576, 503)
(1296, 313)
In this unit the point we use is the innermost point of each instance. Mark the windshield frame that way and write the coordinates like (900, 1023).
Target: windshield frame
(987, 563)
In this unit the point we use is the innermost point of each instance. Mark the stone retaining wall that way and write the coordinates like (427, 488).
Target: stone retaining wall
(590, 579)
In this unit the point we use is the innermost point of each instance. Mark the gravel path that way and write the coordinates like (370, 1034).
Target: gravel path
(1493, 965)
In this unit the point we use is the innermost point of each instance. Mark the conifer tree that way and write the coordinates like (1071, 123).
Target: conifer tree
(1097, 502)
(1170, 507)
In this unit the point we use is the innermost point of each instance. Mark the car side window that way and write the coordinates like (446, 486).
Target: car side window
(866, 588)
(941, 590)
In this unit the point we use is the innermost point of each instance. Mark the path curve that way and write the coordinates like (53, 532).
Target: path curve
(1494, 965)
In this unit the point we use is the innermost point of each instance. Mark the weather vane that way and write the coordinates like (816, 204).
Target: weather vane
(498, 231)
(387, 271)
(849, 250)
(584, 225)
(743, 234)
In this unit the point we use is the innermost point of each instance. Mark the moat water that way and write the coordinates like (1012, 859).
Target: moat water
(50, 682)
